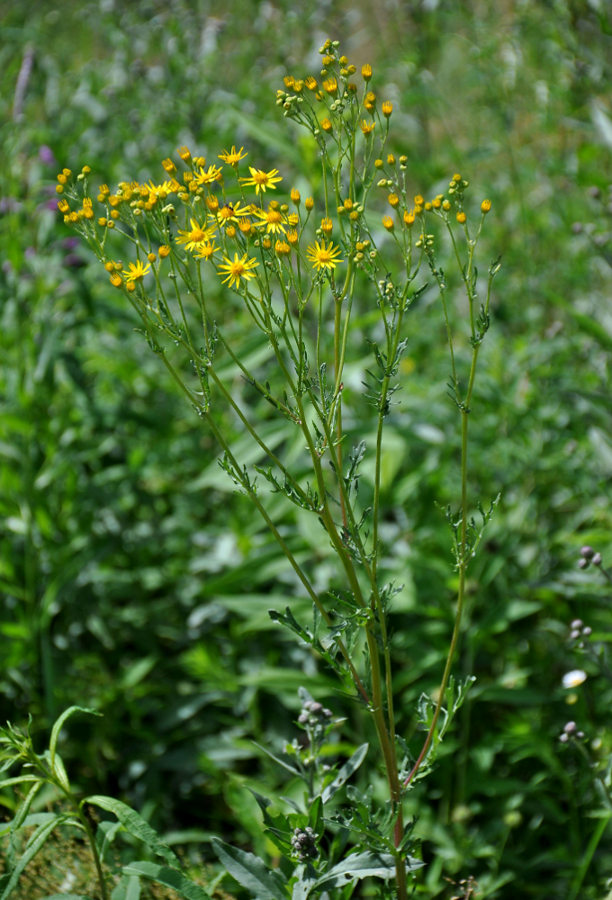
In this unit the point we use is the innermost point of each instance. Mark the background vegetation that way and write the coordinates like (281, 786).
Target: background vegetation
(135, 581)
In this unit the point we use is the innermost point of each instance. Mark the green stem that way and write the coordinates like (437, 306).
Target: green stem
(94, 850)
(463, 563)
(588, 856)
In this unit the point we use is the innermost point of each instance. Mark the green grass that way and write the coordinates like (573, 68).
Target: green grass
(135, 581)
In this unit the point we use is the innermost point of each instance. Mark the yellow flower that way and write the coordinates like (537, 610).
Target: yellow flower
(206, 250)
(367, 127)
(207, 176)
(236, 269)
(282, 248)
(330, 85)
(387, 108)
(194, 236)
(159, 190)
(485, 206)
(366, 72)
(261, 180)
(461, 217)
(323, 256)
(135, 271)
(229, 213)
(388, 223)
(272, 219)
(232, 157)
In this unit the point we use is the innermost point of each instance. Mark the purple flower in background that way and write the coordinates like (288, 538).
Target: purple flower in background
(46, 156)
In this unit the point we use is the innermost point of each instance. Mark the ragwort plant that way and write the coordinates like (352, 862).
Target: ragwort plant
(314, 278)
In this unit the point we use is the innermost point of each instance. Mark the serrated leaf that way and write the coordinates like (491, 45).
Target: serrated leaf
(250, 872)
(362, 865)
(171, 878)
(135, 824)
(350, 766)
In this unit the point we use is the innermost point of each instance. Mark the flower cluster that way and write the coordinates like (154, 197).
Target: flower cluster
(236, 219)
(194, 212)
(304, 843)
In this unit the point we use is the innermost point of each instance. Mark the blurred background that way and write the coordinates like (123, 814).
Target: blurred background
(135, 581)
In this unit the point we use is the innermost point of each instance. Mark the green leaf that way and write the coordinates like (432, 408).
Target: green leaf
(350, 766)
(30, 821)
(32, 847)
(24, 809)
(250, 872)
(169, 878)
(127, 889)
(135, 824)
(18, 779)
(362, 865)
(58, 726)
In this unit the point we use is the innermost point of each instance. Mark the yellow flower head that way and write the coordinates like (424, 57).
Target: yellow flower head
(206, 250)
(366, 72)
(232, 157)
(135, 271)
(236, 269)
(207, 176)
(229, 213)
(192, 237)
(323, 256)
(271, 219)
(282, 248)
(261, 180)
(330, 85)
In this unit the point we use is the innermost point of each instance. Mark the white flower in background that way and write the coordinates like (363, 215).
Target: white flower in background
(574, 678)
